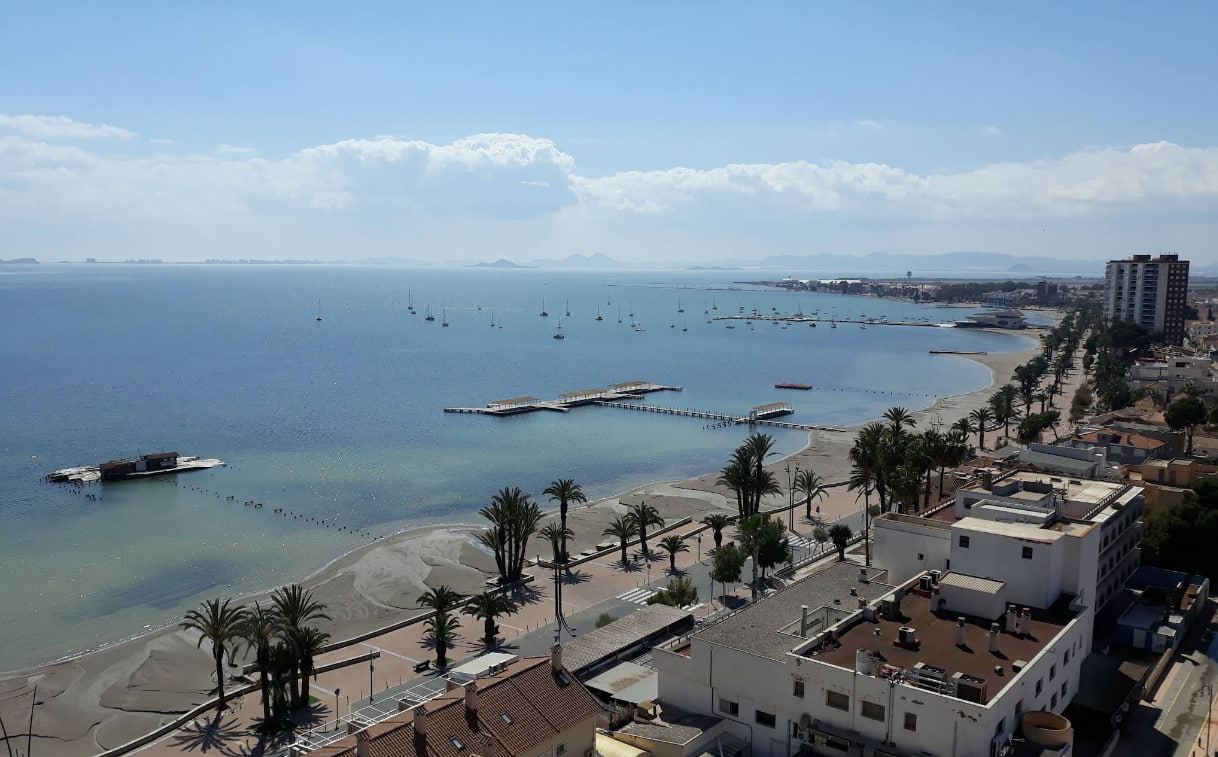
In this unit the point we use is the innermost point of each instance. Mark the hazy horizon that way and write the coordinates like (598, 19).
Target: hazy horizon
(692, 133)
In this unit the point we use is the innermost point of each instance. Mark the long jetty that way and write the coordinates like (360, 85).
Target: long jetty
(723, 417)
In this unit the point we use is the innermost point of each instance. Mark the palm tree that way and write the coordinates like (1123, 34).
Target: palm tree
(869, 456)
(980, 417)
(717, 522)
(811, 486)
(673, 544)
(487, 607)
(442, 632)
(440, 599)
(840, 535)
(220, 624)
(565, 491)
(736, 476)
(759, 447)
(557, 535)
(310, 642)
(898, 418)
(514, 518)
(964, 426)
(259, 631)
(624, 529)
(1002, 402)
(295, 608)
(644, 516)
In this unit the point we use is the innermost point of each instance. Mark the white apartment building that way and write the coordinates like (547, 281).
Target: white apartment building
(966, 633)
(1150, 292)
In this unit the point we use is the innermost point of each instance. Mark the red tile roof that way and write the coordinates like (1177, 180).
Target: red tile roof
(1122, 438)
(539, 705)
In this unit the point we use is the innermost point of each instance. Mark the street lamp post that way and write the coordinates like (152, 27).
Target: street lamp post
(370, 669)
(699, 546)
(336, 710)
(791, 498)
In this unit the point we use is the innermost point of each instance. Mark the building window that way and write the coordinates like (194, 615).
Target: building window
(1053, 700)
(1027, 553)
(911, 721)
(561, 750)
(456, 743)
(728, 706)
(1040, 686)
(1064, 683)
(921, 557)
(1002, 726)
(837, 701)
(964, 542)
(767, 718)
(1067, 654)
(799, 689)
(872, 711)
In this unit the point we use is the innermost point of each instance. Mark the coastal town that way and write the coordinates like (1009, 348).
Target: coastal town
(1019, 563)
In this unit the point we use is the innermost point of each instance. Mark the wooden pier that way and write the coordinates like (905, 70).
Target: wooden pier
(630, 390)
(722, 417)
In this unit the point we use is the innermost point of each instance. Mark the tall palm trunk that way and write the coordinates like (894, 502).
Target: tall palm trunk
(562, 512)
(217, 652)
(264, 664)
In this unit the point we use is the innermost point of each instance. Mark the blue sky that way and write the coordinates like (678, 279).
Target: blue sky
(674, 131)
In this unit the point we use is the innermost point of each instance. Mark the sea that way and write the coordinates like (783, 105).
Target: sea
(341, 420)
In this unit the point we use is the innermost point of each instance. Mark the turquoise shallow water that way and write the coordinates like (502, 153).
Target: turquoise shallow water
(342, 420)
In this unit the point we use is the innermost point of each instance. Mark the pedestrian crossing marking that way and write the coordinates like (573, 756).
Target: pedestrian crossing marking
(639, 596)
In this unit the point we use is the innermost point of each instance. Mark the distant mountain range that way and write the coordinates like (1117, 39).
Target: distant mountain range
(595, 260)
(500, 263)
(951, 263)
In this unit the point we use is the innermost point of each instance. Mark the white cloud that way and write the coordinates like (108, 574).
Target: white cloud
(59, 127)
(235, 150)
(990, 130)
(867, 123)
(161, 141)
(502, 185)
(1090, 182)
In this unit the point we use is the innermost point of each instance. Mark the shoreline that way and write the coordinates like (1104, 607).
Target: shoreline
(105, 695)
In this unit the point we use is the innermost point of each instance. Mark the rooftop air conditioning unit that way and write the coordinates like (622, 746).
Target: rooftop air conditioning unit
(969, 688)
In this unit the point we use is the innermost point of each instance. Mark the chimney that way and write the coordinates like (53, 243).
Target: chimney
(876, 636)
(960, 632)
(994, 638)
(420, 721)
(1025, 622)
(863, 576)
(556, 658)
(1011, 619)
(362, 744)
(471, 697)
(862, 602)
(803, 621)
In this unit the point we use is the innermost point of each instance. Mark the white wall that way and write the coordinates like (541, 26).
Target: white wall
(906, 550)
(1035, 582)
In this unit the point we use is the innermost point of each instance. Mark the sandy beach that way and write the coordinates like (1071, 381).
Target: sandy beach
(105, 698)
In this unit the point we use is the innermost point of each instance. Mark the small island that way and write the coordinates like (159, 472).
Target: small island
(500, 263)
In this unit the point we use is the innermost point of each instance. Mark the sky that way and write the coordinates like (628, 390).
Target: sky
(648, 131)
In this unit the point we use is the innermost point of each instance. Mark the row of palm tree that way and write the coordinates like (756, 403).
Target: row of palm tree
(634, 523)
(281, 637)
(891, 461)
(441, 626)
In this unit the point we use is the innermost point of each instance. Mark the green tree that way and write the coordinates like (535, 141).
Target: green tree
(821, 535)
(220, 624)
(810, 486)
(513, 518)
(981, 417)
(623, 529)
(604, 619)
(717, 522)
(310, 642)
(1186, 413)
(840, 535)
(644, 516)
(441, 631)
(899, 419)
(296, 607)
(259, 632)
(557, 536)
(680, 592)
(565, 492)
(726, 565)
(673, 545)
(488, 607)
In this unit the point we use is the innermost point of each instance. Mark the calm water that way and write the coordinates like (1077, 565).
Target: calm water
(341, 420)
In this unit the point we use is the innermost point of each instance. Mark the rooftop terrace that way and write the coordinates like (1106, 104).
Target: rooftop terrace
(935, 645)
(770, 628)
